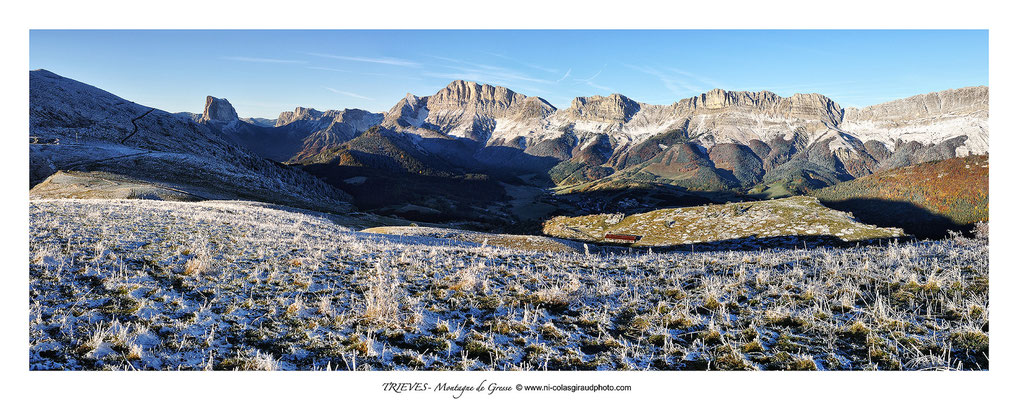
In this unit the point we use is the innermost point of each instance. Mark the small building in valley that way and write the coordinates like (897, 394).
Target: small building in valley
(620, 237)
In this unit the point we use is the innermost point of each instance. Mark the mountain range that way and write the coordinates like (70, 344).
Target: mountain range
(719, 140)
(453, 153)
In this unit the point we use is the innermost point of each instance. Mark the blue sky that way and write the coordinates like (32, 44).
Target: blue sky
(265, 72)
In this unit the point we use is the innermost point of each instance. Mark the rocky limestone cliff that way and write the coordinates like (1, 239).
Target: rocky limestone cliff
(314, 131)
(344, 125)
(487, 99)
(495, 115)
(798, 106)
(360, 119)
(409, 112)
(618, 126)
(297, 133)
(298, 114)
(615, 108)
(711, 118)
(968, 100)
(720, 98)
(756, 110)
(927, 119)
(466, 109)
(218, 110)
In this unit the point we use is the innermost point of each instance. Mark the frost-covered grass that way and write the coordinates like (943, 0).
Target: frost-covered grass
(136, 284)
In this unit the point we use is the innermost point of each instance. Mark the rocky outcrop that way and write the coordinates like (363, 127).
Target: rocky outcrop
(616, 108)
(298, 114)
(218, 110)
(355, 119)
(491, 101)
(468, 110)
(968, 100)
(409, 112)
(304, 132)
(342, 126)
(927, 119)
(720, 116)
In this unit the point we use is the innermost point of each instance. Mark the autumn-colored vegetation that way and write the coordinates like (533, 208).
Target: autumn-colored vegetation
(925, 199)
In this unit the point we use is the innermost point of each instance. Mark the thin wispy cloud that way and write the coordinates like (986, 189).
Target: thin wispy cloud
(487, 67)
(263, 60)
(821, 86)
(345, 93)
(496, 77)
(330, 69)
(346, 71)
(590, 81)
(804, 50)
(595, 75)
(475, 76)
(602, 87)
(710, 82)
(374, 60)
(521, 62)
(533, 91)
(680, 83)
(486, 72)
(569, 71)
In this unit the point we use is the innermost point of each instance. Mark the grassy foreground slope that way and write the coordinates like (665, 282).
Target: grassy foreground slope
(925, 199)
(105, 185)
(782, 219)
(137, 284)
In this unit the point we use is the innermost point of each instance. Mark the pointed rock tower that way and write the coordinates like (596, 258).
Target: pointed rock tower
(218, 110)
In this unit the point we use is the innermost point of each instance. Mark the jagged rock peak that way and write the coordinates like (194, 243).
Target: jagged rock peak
(612, 108)
(460, 92)
(327, 116)
(351, 113)
(218, 110)
(408, 104)
(535, 107)
(298, 113)
(487, 99)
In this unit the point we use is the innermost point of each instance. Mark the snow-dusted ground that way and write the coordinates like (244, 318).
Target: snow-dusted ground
(136, 284)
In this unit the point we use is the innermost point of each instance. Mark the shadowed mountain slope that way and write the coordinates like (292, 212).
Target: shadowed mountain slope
(88, 129)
